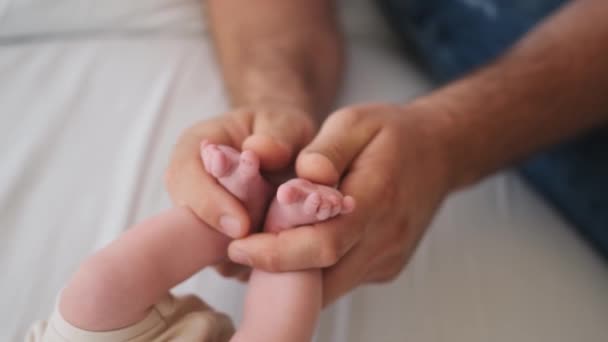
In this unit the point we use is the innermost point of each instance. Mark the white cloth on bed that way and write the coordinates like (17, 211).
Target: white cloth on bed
(88, 117)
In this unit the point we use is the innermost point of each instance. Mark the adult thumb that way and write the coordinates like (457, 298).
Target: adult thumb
(277, 136)
(342, 137)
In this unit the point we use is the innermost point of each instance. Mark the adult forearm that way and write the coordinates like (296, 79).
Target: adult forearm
(549, 87)
(288, 52)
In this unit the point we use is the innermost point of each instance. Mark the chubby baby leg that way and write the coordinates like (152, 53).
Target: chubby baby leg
(117, 286)
(281, 306)
(286, 306)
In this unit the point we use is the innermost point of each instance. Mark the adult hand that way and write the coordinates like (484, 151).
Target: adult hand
(390, 159)
(275, 133)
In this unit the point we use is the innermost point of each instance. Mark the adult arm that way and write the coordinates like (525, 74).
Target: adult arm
(400, 161)
(548, 88)
(282, 63)
(274, 51)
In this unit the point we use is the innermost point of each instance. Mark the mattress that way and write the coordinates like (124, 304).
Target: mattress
(92, 100)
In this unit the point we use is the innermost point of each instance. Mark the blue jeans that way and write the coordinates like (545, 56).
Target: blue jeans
(452, 37)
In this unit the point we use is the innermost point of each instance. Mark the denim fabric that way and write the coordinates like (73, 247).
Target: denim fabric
(453, 37)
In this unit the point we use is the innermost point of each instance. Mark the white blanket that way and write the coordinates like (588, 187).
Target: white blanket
(91, 103)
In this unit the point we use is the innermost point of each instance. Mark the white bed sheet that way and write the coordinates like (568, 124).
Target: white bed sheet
(86, 128)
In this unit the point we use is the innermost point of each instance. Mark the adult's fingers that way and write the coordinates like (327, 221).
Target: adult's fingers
(191, 186)
(342, 137)
(350, 270)
(321, 245)
(277, 134)
(373, 190)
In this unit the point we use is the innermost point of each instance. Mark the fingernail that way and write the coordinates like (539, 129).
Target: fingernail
(230, 226)
(240, 257)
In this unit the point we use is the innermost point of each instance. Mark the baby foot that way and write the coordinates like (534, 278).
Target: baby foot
(300, 202)
(240, 174)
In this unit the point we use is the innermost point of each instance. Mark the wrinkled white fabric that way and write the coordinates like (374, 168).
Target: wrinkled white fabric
(89, 112)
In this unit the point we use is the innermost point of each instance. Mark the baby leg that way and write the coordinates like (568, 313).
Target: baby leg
(286, 306)
(117, 286)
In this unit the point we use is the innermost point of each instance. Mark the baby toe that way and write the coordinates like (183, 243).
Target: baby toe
(249, 163)
(324, 211)
(213, 160)
(219, 164)
(336, 205)
(312, 204)
(289, 193)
